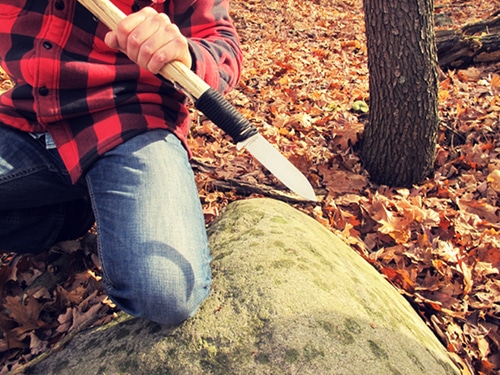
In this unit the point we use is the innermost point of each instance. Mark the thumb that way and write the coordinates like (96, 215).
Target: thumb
(111, 40)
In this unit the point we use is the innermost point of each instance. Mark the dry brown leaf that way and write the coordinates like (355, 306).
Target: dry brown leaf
(26, 312)
(480, 208)
(494, 180)
(37, 346)
(340, 182)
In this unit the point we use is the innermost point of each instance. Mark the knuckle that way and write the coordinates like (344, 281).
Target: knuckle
(160, 58)
(134, 41)
(171, 29)
(124, 27)
(147, 49)
(162, 18)
(148, 11)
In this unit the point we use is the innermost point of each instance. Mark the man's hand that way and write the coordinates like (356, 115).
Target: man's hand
(149, 39)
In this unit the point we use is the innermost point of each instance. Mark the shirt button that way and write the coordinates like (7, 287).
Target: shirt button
(59, 5)
(47, 45)
(43, 91)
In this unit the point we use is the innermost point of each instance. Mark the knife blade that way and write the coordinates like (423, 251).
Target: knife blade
(211, 103)
(278, 165)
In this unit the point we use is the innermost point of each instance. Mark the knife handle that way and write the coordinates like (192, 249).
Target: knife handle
(225, 116)
(206, 99)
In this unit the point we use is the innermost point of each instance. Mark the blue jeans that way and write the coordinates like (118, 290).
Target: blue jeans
(151, 232)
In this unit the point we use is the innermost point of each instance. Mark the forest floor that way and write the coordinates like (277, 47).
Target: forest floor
(305, 66)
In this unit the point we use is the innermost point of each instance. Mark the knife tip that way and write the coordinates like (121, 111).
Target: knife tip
(308, 194)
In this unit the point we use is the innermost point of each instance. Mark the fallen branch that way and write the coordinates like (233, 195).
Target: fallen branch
(464, 47)
(246, 188)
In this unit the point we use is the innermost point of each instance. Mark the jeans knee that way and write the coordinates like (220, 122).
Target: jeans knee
(161, 292)
(179, 308)
(169, 308)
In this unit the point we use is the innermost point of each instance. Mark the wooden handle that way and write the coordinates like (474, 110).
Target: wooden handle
(175, 71)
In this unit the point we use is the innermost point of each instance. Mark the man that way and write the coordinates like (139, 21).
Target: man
(89, 131)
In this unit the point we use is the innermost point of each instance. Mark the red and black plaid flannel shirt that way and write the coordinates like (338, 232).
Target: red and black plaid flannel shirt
(91, 98)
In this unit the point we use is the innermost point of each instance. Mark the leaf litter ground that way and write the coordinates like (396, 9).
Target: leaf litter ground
(305, 86)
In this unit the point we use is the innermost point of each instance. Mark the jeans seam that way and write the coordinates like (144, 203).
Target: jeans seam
(105, 277)
(19, 174)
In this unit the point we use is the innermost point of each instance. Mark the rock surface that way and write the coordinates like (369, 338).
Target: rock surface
(288, 297)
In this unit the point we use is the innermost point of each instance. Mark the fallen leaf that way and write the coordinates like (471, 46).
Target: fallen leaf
(494, 180)
(26, 312)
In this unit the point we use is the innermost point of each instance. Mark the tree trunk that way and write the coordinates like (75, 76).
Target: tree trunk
(399, 141)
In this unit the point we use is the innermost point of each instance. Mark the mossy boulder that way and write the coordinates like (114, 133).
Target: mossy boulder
(288, 297)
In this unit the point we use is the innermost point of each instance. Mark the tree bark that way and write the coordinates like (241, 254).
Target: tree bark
(399, 141)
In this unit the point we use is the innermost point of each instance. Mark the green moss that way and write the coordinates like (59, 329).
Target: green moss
(311, 353)
(416, 361)
(345, 337)
(61, 367)
(447, 368)
(292, 355)
(154, 327)
(223, 360)
(327, 264)
(161, 371)
(220, 362)
(377, 350)
(263, 358)
(118, 349)
(255, 233)
(352, 326)
(222, 254)
(279, 244)
(327, 326)
(91, 344)
(207, 348)
(394, 371)
(279, 220)
(355, 279)
(121, 333)
(283, 263)
(303, 267)
(322, 285)
(128, 366)
(101, 370)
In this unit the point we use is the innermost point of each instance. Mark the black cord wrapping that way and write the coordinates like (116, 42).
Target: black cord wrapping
(225, 116)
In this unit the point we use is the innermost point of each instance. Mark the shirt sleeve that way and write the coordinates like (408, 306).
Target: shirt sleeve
(213, 40)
